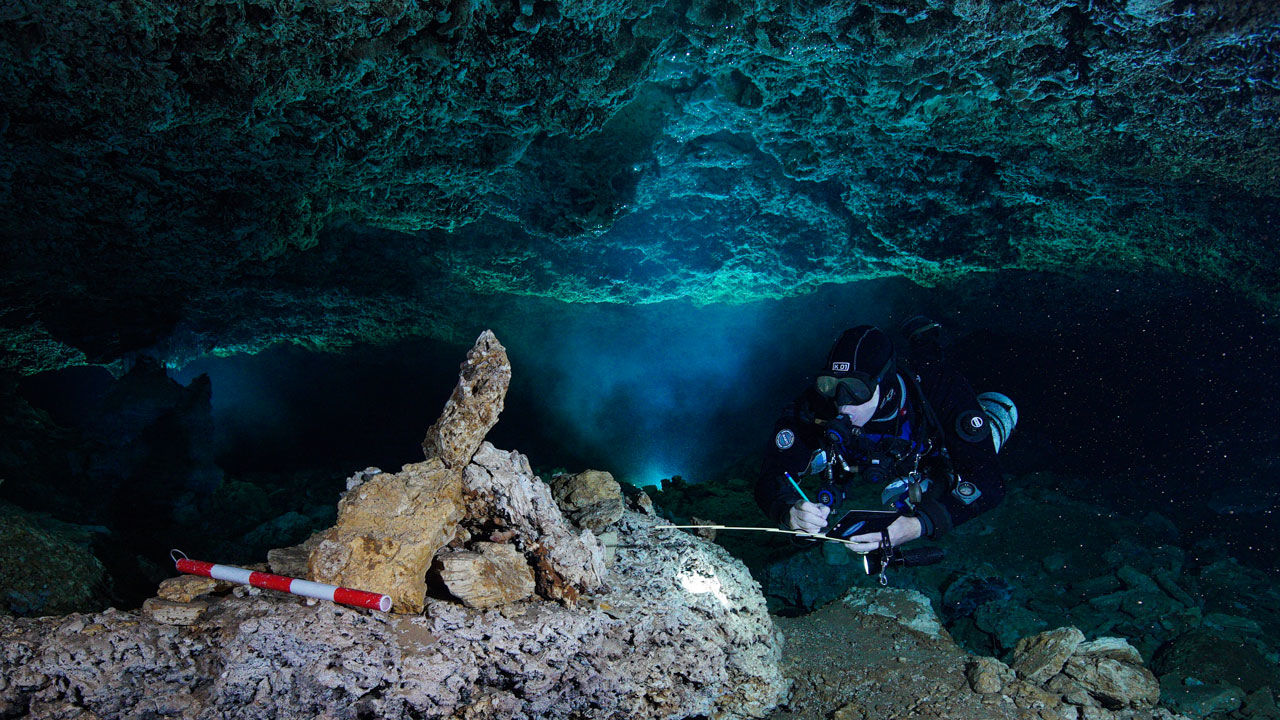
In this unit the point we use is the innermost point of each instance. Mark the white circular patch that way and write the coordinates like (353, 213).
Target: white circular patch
(784, 439)
(976, 422)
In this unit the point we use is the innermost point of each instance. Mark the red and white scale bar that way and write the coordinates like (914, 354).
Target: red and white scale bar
(294, 586)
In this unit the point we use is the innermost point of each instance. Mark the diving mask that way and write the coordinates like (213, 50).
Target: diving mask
(855, 388)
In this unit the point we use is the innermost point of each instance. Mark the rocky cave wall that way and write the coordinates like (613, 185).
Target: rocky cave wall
(179, 178)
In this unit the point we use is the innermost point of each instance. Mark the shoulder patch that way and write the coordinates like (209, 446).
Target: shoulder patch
(784, 439)
(972, 426)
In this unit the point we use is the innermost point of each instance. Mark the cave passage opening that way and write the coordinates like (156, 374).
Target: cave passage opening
(1153, 391)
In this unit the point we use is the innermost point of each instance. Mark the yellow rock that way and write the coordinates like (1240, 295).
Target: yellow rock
(491, 575)
(390, 527)
(186, 588)
(173, 613)
(388, 531)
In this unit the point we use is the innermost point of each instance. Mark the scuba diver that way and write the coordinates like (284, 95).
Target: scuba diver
(912, 426)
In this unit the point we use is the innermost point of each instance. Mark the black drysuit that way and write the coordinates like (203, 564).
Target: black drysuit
(961, 429)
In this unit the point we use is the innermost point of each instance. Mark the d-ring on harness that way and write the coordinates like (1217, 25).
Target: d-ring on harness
(886, 551)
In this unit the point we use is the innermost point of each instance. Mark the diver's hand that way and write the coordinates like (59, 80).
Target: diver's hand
(808, 517)
(903, 530)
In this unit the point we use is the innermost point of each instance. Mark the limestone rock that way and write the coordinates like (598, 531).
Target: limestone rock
(610, 542)
(1168, 583)
(1110, 647)
(167, 612)
(491, 574)
(38, 555)
(387, 532)
(1030, 696)
(686, 634)
(643, 503)
(185, 588)
(362, 476)
(390, 525)
(1116, 684)
(1214, 660)
(1138, 581)
(987, 675)
(1233, 627)
(709, 533)
(1039, 657)
(504, 492)
(474, 406)
(1094, 712)
(592, 499)
(1070, 691)
(1200, 701)
(292, 561)
(909, 607)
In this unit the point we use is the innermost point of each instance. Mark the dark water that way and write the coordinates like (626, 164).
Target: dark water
(1156, 395)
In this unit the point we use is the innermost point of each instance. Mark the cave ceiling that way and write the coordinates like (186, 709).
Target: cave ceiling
(180, 178)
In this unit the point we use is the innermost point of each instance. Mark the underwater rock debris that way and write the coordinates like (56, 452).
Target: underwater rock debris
(388, 531)
(488, 575)
(680, 628)
(507, 497)
(473, 408)
(861, 659)
(592, 499)
(645, 648)
(1040, 657)
(391, 526)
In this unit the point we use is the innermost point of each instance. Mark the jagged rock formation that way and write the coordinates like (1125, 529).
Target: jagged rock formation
(1040, 657)
(172, 169)
(1107, 672)
(489, 575)
(388, 531)
(507, 501)
(473, 408)
(391, 526)
(591, 499)
(682, 631)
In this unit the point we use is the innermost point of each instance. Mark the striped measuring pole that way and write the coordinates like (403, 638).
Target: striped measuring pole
(293, 586)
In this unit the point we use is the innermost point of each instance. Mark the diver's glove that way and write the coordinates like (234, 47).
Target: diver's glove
(808, 517)
(903, 529)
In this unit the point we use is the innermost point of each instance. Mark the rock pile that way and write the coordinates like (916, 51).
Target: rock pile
(681, 631)
(1077, 678)
(511, 504)
(676, 628)
(391, 526)
(882, 652)
(488, 575)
